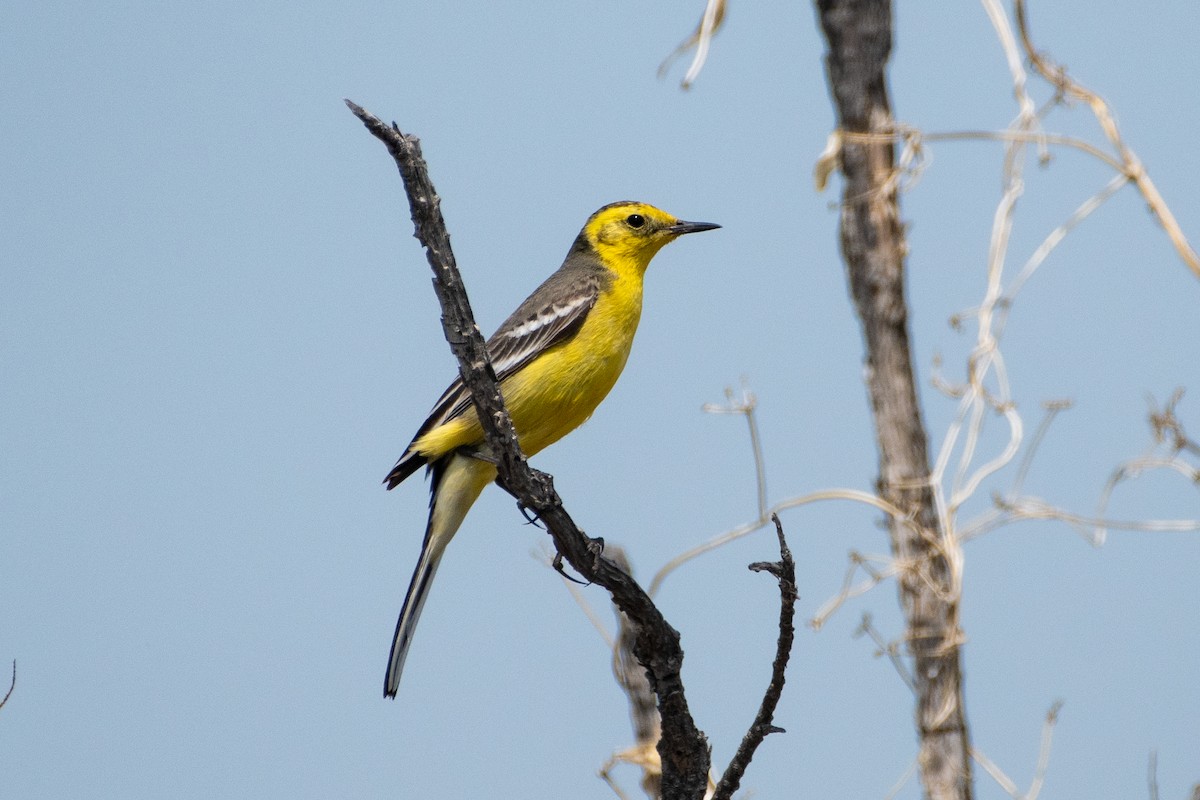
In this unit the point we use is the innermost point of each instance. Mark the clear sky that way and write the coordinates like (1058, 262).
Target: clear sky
(217, 335)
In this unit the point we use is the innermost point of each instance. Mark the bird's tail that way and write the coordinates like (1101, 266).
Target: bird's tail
(456, 484)
(414, 602)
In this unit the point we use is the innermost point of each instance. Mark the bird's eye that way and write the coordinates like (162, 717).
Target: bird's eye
(635, 220)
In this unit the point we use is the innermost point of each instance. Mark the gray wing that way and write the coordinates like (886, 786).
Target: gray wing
(549, 316)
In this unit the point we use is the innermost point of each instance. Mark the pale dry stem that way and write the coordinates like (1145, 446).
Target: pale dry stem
(1043, 761)
(1131, 165)
(700, 39)
(886, 647)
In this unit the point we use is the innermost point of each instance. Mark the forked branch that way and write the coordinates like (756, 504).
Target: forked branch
(683, 747)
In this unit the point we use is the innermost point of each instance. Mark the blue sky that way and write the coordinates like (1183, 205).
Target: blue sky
(217, 335)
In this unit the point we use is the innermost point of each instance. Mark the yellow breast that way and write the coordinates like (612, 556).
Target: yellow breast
(559, 390)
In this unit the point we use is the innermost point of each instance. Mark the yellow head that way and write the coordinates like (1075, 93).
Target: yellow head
(627, 235)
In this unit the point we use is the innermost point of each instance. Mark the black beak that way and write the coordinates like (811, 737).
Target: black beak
(681, 227)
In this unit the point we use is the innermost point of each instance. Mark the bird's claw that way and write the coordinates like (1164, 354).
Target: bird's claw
(557, 563)
(530, 516)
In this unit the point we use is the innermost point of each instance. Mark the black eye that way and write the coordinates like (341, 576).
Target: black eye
(635, 220)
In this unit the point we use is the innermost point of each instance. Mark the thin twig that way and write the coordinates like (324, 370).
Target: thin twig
(909, 136)
(710, 22)
(998, 775)
(850, 590)
(1032, 508)
(784, 571)
(745, 529)
(886, 648)
(1168, 429)
(605, 774)
(1131, 165)
(745, 406)
(1053, 409)
(12, 684)
(1043, 762)
(1052, 240)
(900, 783)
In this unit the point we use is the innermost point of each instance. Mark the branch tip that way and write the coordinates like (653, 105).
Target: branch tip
(12, 684)
(785, 571)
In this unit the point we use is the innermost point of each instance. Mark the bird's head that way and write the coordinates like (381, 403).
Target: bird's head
(629, 234)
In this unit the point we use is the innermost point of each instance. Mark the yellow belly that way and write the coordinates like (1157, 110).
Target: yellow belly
(558, 391)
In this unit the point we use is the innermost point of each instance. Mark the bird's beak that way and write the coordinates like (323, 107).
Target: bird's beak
(681, 227)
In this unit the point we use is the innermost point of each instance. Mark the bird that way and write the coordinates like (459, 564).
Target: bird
(556, 357)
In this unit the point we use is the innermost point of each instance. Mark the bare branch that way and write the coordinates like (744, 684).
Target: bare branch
(1168, 429)
(745, 406)
(903, 780)
(605, 774)
(12, 684)
(915, 138)
(785, 572)
(1132, 167)
(850, 590)
(859, 36)
(1043, 762)
(631, 677)
(701, 39)
(1170, 436)
(1053, 409)
(747, 528)
(990, 767)
(886, 648)
(682, 747)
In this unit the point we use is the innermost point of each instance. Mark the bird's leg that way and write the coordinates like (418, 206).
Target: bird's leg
(596, 548)
(479, 453)
(557, 563)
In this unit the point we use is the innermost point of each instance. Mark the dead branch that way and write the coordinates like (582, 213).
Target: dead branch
(631, 677)
(859, 36)
(12, 684)
(785, 572)
(683, 747)
(701, 39)
(1132, 166)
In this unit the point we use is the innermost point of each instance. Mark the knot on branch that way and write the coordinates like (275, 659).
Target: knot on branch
(773, 567)
(541, 489)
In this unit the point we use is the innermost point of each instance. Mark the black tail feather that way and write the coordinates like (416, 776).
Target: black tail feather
(409, 463)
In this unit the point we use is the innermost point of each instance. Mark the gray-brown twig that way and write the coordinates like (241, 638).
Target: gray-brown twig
(784, 571)
(12, 684)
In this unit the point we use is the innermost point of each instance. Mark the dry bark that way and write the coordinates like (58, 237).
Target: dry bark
(859, 36)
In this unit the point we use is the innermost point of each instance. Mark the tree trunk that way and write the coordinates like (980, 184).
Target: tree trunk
(859, 34)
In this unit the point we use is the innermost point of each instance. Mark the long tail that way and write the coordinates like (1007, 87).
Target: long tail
(414, 602)
(457, 482)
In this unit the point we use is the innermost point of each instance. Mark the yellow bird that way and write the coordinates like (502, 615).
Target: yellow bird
(556, 357)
